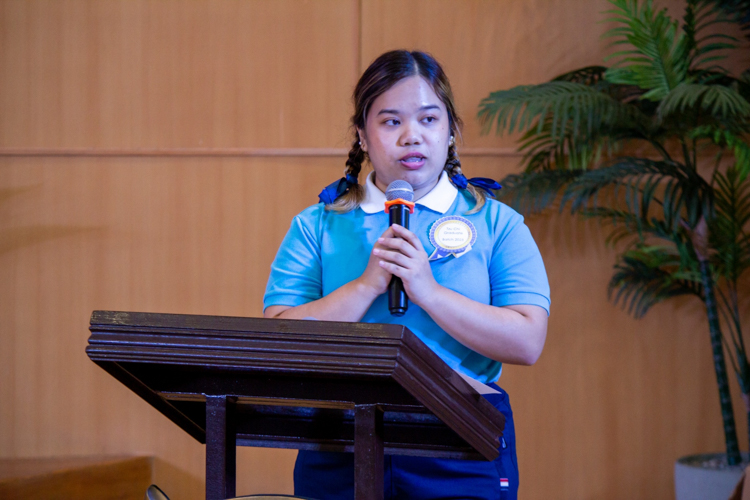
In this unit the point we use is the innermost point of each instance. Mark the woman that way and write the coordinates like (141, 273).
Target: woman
(473, 274)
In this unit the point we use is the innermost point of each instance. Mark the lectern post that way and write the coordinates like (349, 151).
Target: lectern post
(221, 447)
(368, 452)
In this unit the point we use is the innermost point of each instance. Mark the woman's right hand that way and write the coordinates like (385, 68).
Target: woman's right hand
(375, 278)
(347, 303)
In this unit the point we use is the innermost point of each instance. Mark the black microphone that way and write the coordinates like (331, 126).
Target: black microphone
(398, 207)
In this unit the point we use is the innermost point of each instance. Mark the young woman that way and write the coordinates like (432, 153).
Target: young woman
(476, 283)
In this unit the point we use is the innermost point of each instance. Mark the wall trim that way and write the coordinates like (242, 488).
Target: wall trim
(219, 152)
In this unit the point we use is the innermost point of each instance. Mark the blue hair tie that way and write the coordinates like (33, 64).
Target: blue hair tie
(333, 191)
(460, 181)
(483, 183)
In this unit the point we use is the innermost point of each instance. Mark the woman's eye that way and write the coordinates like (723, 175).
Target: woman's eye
(429, 119)
(392, 121)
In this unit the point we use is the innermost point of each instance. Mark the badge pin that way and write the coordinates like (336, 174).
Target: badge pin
(452, 235)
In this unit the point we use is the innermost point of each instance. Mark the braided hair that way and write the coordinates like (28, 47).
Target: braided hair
(453, 168)
(356, 193)
(381, 75)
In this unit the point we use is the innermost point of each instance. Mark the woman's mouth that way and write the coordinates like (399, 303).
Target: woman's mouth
(412, 161)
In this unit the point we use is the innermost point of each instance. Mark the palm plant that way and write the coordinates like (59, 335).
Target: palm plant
(656, 145)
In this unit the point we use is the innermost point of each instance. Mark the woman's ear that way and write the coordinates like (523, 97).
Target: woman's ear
(362, 141)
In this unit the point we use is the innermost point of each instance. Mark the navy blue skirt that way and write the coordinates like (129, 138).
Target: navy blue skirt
(330, 476)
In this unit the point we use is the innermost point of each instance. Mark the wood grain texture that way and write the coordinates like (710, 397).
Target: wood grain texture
(82, 478)
(257, 73)
(609, 394)
(351, 364)
(221, 152)
(603, 414)
(179, 235)
(487, 45)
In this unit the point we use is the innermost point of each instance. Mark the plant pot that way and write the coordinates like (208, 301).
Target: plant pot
(706, 477)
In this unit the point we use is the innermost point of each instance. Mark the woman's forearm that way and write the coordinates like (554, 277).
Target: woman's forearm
(348, 303)
(511, 334)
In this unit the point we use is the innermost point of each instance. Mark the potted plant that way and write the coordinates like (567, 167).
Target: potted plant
(656, 145)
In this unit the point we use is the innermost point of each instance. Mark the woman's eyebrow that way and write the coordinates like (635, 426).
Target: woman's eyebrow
(397, 112)
(429, 106)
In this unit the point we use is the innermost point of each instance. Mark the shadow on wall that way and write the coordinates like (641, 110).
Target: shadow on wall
(19, 237)
(15, 238)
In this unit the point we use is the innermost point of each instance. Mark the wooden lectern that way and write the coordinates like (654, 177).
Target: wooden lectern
(315, 385)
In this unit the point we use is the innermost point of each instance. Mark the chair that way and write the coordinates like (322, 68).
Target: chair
(154, 493)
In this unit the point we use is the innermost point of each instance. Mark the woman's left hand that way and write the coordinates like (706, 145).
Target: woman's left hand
(407, 259)
(510, 334)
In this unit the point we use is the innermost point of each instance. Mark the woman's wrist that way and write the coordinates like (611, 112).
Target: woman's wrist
(435, 301)
(365, 290)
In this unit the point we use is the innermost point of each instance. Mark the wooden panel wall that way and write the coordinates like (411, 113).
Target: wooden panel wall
(241, 108)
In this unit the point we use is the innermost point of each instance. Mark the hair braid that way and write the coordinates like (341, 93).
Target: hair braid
(356, 157)
(453, 167)
(356, 193)
(452, 163)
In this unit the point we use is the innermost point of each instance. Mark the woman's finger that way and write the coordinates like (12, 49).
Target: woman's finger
(394, 269)
(407, 235)
(388, 233)
(399, 244)
(394, 257)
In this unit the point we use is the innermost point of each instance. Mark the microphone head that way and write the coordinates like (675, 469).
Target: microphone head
(399, 189)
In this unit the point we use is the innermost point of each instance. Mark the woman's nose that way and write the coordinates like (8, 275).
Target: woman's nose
(410, 135)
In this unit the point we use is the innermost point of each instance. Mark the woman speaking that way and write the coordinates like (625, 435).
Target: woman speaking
(469, 266)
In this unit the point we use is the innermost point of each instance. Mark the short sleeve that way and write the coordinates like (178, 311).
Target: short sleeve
(296, 274)
(517, 274)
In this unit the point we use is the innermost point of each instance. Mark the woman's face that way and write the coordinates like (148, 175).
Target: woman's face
(406, 135)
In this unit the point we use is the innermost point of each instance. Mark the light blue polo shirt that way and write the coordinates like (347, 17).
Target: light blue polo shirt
(324, 250)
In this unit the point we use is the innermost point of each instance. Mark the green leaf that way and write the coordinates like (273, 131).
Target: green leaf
(659, 58)
(631, 183)
(699, 16)
(589, 76)
(735, 141)
(533, 192)
(720, 102)
(573, 110)
(646, 275)
(729, 234)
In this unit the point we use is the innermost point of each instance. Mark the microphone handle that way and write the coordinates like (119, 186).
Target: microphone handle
(398, 301)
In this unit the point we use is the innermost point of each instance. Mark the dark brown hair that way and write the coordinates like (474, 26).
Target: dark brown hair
(381, 75)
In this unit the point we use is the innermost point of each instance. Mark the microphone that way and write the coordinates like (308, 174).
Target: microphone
(399, 205)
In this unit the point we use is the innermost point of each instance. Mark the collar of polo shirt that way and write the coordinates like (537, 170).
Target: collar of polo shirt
(438, 200)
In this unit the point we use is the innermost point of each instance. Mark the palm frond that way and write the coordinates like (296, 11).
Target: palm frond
(646, 275)
(593, 76)
(627, 225)
(589, 76)
(737, 11)
(736, 141)
(533, 192)
(729, 228)
(721, 77)
(572, 152)
(720, 102)
(573, 109)
(741, 150)
(700, 15)
(639, 184)
(659, 58)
